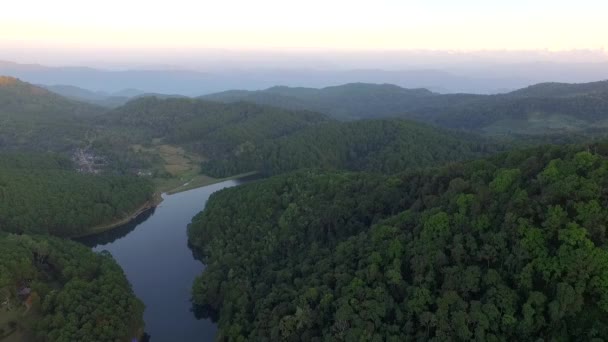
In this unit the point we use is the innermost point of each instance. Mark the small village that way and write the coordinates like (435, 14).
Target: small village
(88, 162)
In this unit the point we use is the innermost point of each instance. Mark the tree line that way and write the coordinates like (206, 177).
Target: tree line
(73, 293)
(512, 247)
(383, 146)
(41, 194)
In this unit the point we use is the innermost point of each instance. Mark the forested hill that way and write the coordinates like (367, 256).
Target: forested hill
(34, 118)
(385, 146)
(19, 98)
(70, 293)
(41, 194)
(212, 129)
(509, 248)
(553, 89)
(522, 115)
(346, 102)
(540, 109)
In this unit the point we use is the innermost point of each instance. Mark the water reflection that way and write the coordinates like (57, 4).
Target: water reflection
(204, 312)
(115, 233)
(154, 254)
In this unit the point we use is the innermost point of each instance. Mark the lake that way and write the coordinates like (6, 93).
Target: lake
(154, 254)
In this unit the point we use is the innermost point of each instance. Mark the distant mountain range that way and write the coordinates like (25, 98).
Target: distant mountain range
(545, 108)
(196, 83)
(542, 108)
(109, 100)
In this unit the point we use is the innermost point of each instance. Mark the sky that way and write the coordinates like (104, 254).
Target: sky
(305, 24)
(203, 34)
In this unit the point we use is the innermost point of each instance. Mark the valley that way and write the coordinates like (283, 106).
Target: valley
(304, 171)
(378, 209)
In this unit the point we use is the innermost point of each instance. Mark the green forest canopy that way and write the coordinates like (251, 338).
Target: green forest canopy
(507, 248)
(211, 129)
(385, 146)
(76, 294)
(226, 133)
(40, 194)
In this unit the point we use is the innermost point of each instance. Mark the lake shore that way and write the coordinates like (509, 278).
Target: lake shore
(198, 182)
(155, 201)
(153, 249)
(194, 183)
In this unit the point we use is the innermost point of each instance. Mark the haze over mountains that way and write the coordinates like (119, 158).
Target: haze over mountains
(539, 108)
(443, 73)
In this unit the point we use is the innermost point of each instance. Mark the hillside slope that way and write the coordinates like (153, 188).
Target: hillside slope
(346, 102)
(554, 89)
(42, 194)
(508, 248)
(211, 129)
(35, 118)
(540, 109)
(85, 95)
(74, 293)
(384, 146)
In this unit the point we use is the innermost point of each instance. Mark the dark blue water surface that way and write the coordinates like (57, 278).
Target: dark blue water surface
(154, 254)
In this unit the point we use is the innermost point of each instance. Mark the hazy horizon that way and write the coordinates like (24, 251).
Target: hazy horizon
(338, 34)
(466, 46)
(418, 170)
(224, 59)
(339, 24)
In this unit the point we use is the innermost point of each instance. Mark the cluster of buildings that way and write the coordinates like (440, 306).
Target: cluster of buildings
(88, 162)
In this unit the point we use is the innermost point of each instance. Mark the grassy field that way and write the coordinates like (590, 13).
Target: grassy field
(183, 168)
(180, 166)
(176, 161)
(22, 331)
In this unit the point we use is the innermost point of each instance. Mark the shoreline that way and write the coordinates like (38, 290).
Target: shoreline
(190, 185)
(154, 202)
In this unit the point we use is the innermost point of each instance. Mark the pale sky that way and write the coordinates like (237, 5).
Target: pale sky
(326, 24)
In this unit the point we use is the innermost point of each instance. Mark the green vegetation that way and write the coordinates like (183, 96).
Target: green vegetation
(169, 138)
(42, 194)
(33, 118)
(513, 247)
(384, 146)
(57, 290)
(540, 109)
(507, 248)
(530, 115)
(209, 129)
(345, 102)
(553, 89)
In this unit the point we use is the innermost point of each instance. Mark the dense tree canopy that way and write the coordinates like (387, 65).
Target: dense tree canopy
(40, 193)
(501, 249)
(76, 295)
(385, 146)
(507, 248)
(212, 129)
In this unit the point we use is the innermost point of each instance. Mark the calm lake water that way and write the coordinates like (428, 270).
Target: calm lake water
(153, 251)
